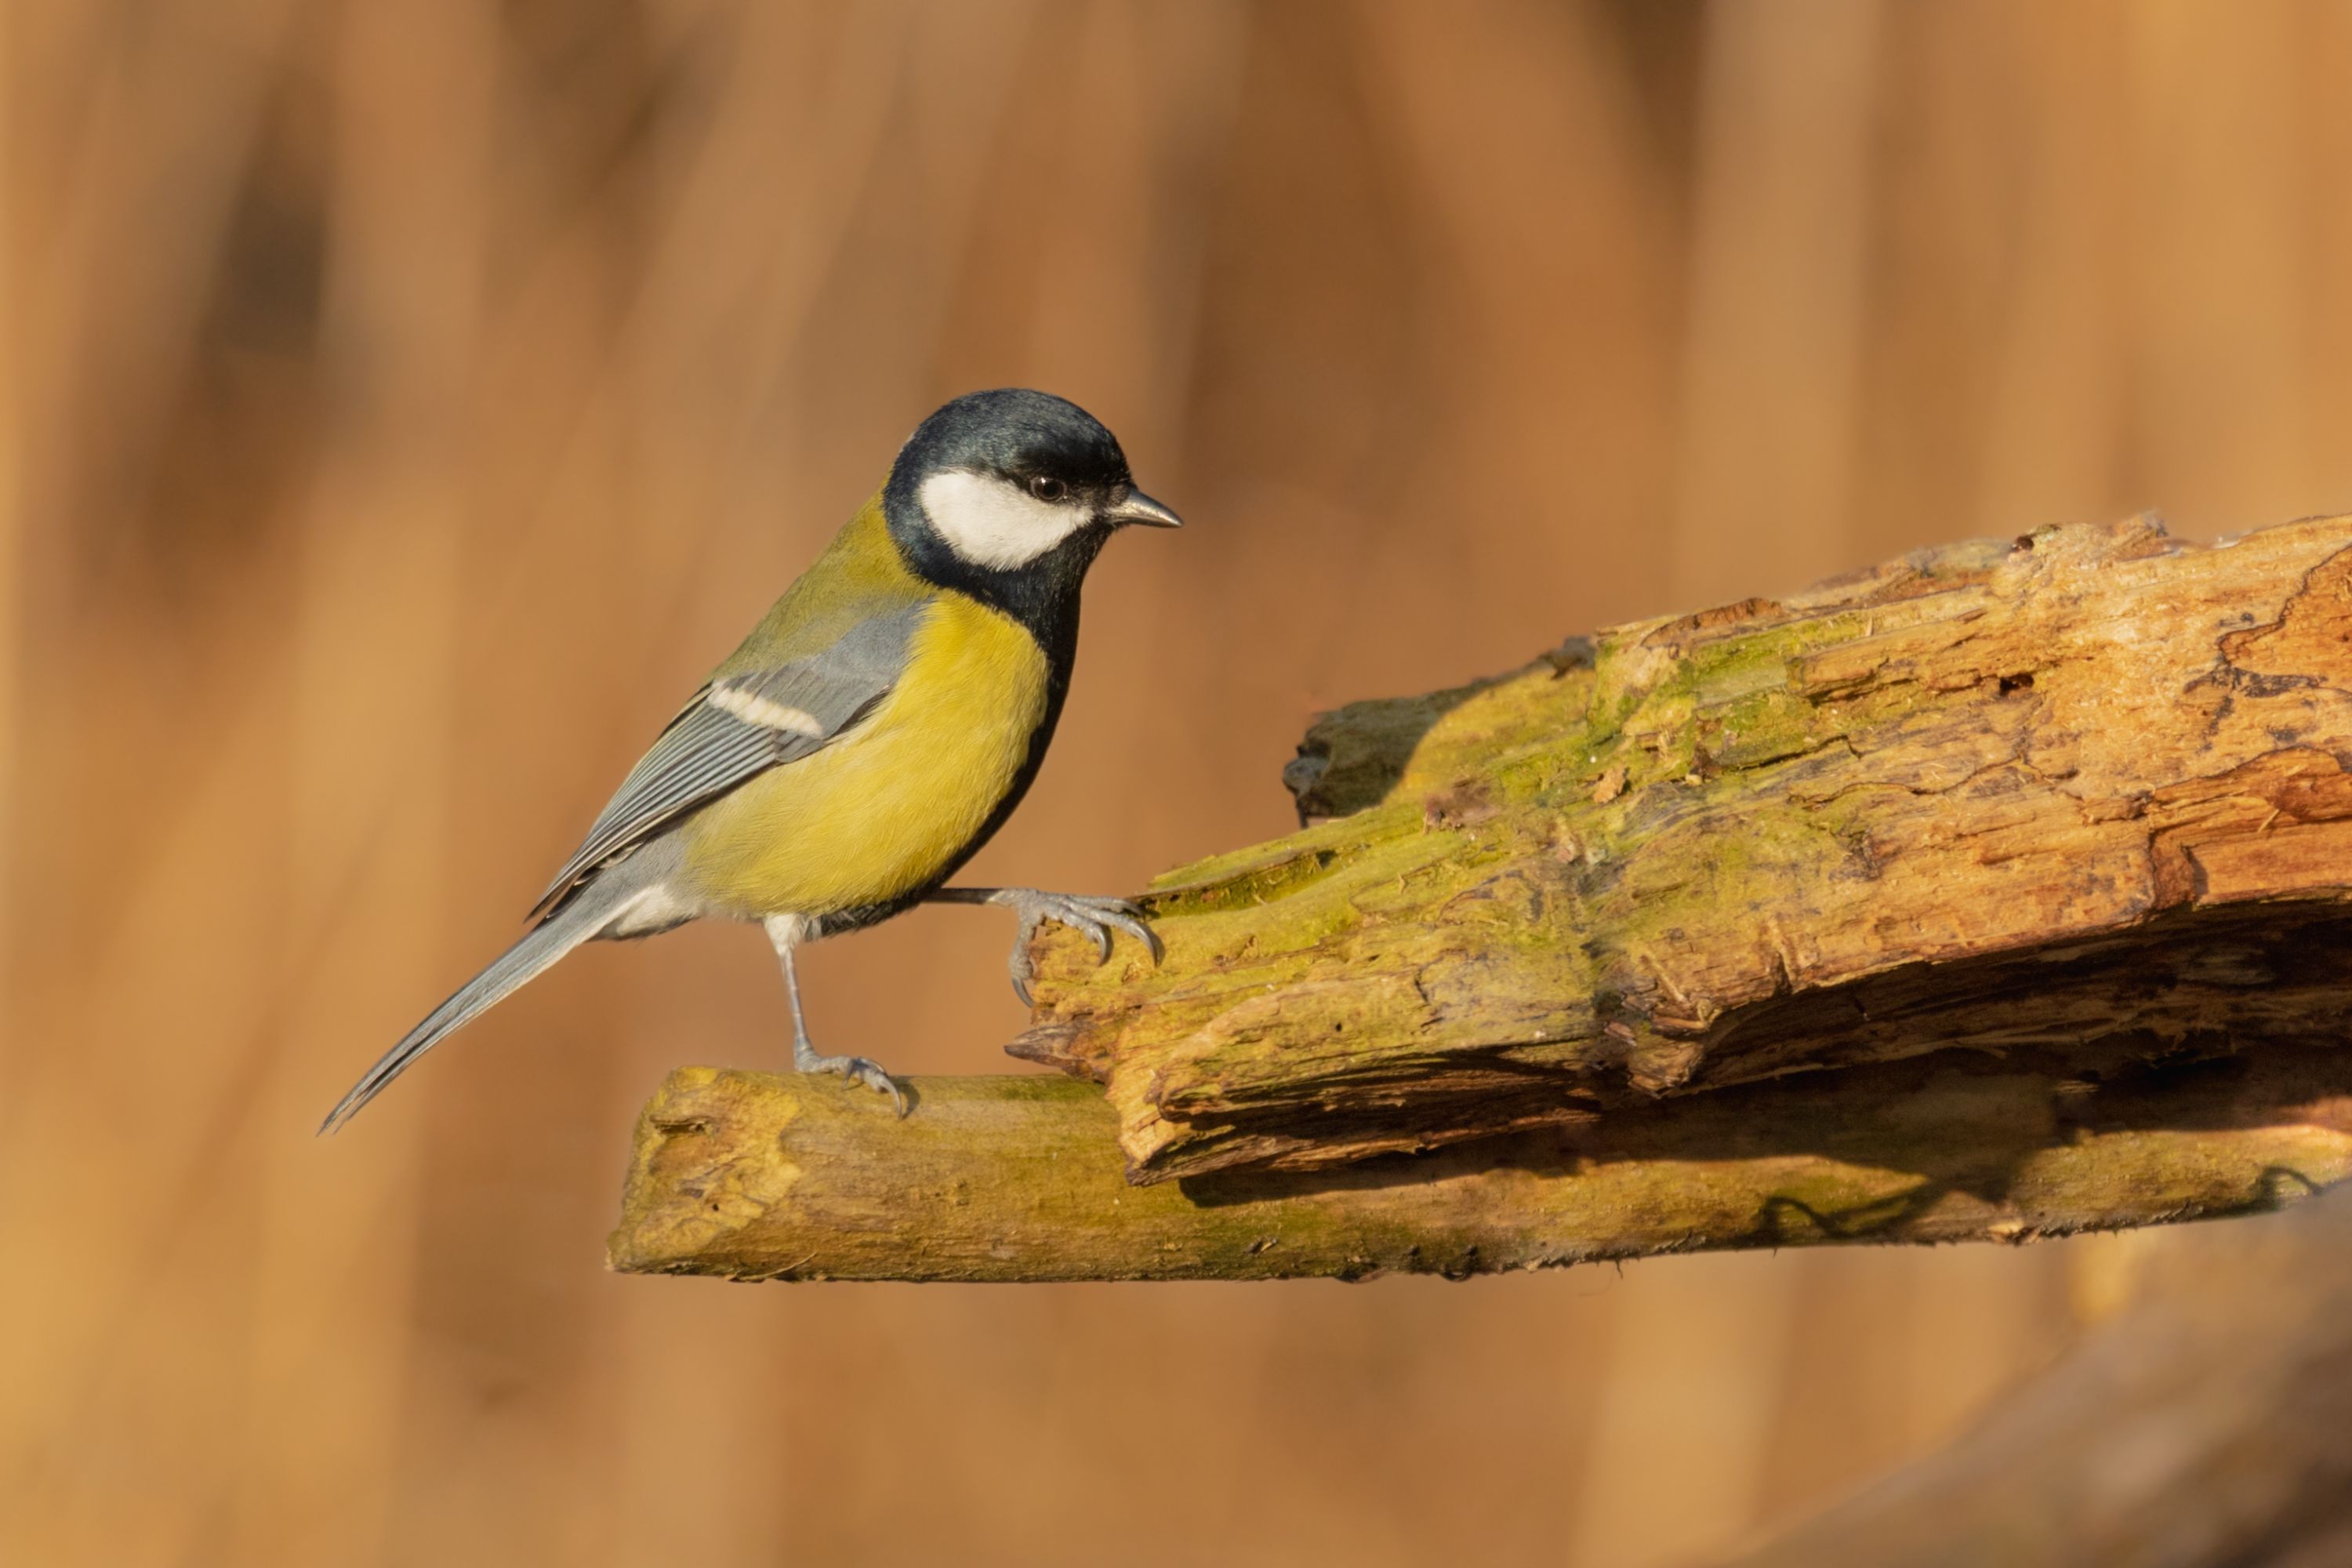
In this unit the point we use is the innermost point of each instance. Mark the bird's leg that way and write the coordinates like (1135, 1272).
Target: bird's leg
(786, 932)
(1095, 917)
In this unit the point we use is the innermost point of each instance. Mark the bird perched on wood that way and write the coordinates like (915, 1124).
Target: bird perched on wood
(872, 733)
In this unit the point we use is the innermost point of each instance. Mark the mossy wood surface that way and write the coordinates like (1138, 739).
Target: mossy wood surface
(754, 1175)
(2082, 794)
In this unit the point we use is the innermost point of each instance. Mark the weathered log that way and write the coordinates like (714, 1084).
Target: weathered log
(752, 1175)
(2085, 792)
(2203, 1427)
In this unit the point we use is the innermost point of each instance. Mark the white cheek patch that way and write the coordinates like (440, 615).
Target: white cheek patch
(993, 523)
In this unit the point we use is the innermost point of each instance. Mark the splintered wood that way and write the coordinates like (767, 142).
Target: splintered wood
(2084, 793)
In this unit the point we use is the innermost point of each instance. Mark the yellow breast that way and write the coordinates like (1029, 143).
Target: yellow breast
(886, 810)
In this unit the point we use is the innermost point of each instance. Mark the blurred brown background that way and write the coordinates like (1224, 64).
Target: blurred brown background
(405, 401)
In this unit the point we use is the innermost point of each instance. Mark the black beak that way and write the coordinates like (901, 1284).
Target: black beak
(1142, 509)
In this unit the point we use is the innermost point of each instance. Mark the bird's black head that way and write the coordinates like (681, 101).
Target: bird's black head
(1009, 494)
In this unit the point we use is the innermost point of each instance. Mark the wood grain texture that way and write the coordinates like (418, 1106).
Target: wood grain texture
(2084, 791)
(758, 1176)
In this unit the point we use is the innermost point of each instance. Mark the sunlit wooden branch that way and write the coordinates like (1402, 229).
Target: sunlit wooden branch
(2086, 789)
(756, 1175)
(1635, 936)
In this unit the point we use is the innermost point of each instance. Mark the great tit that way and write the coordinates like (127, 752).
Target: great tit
(872, 733)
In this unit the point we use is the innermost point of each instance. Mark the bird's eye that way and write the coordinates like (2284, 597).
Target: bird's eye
(1046, 488)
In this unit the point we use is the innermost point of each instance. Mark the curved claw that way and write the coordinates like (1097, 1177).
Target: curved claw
(861, 1069)
(1097, 918)
(1129, 919)
(1016, 962)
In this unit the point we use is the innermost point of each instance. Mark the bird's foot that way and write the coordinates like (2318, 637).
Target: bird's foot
(1097, 917)
(864, 1070)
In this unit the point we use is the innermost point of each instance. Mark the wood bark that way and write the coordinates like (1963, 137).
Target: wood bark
(1997, 892)
(757, 1176)
(2082, 793)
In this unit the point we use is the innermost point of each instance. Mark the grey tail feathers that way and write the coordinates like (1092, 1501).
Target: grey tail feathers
(591, 910)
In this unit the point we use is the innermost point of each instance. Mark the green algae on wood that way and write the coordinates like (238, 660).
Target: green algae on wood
(1007, 1178)
(2086, 789)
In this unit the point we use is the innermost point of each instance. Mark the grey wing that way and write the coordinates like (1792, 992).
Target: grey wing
(737, 727)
